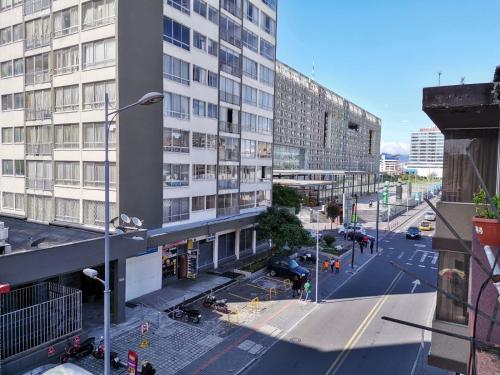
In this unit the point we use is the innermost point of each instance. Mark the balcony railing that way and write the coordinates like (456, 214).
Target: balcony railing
(228, 184)
(226, 211)
(37, 41)
(39, 184)
(33, 6)
(38, 114)
(229, 98)
(176, 217)
(35, 78)
(229, 127)
(39, 149)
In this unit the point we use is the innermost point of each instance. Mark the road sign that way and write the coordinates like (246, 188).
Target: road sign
(144, 328)
(4, 288)
(76, 341)
(211, 237)
(51, 351)
(132, 362)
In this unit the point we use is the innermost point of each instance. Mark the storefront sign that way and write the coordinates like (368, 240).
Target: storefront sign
(144, 328)
(132, 362)
(192, 266)
(211, 237)
(149, 250)
(4, 288)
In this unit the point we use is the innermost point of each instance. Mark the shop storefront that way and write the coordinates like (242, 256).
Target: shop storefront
(183, 259)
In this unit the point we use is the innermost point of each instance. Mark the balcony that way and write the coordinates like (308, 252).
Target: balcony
(35, 78)
(44, 184)
(226, 211)
(39, 148)
(38, 114)
(37, 42)
(229, 127)
(227, 184)
(33, 6)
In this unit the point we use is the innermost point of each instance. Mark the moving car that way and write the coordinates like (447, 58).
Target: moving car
(285, 267)
(430, 216)
(425, 226)
(413, 233)
(350, 228)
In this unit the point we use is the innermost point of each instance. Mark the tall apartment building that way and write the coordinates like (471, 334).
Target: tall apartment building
(426, 152)
(390, 164)
(206, 154)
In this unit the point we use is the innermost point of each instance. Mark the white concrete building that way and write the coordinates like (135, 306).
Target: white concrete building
(426, 152)
(390, 164)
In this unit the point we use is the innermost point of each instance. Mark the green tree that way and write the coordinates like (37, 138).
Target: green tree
(332, 212)
(284, 196)
(282, 227)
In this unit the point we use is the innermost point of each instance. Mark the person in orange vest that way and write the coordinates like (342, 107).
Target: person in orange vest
(326, 265)
(337, 265)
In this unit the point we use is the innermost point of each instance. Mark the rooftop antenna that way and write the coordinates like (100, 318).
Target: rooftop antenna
(462, 81)
(439, 78)
(313, 72)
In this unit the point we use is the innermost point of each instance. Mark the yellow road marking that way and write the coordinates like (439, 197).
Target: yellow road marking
(333, 369)
(258, 287)
(237, 296)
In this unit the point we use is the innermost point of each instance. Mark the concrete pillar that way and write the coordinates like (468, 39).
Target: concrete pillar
(254, 241)
(118, 292)
(237, 243)
(216, 251)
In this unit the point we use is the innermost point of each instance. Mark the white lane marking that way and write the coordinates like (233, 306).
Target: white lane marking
(434, 268)
(415, 284)
(421, 265)
(401, 255)
(423, 257)
(434, 259)
(410, 264)
(391, 248)
(419, 245)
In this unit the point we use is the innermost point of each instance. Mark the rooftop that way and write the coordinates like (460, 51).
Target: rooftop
(24, 234)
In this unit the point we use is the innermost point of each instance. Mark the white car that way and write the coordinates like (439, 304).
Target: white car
(64, 369)
(350, 228)
(430, 216)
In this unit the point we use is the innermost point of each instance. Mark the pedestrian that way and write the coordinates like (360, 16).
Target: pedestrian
(361, 245)
(296, 287)
(326, 265)
(371, 246)
(337, 265)
(332, 264)
(302, 281)
(307, 290)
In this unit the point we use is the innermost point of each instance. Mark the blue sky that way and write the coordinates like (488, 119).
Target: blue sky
(381, 53)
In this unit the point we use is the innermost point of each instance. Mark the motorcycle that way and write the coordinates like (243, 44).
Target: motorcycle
(220, 305)
(113, 356)
(80, 351)
(191, 315)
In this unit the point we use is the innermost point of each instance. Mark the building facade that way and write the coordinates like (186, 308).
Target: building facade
(426, 152)
(202, 158)
(390, 164)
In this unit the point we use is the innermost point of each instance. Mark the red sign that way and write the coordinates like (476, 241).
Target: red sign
(144, 328)
(51, 351)
(4, 288)
(76, 341)
(133, 359)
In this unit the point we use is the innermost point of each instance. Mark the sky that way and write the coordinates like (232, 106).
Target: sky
(379, 54)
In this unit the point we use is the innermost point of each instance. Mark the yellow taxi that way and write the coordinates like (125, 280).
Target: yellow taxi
(425, 226)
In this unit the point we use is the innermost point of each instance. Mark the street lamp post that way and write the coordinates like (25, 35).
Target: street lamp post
(317, 254)
(147, 99)
(354, 229)
(378, 211)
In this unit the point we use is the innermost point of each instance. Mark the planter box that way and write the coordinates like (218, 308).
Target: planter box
(488, 231)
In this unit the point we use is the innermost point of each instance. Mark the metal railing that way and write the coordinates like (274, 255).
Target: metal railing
(32, 6)
(37, 315)
(226, 211)
(229, 127)
(228, 184)
(37, 42)
(39, 148)
(35, 78)
(38, 114)
(44, 184)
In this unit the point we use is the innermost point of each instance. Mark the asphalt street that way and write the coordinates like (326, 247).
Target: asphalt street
(346, 335)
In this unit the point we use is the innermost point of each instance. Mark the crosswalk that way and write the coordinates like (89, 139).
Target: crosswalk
(420, 258)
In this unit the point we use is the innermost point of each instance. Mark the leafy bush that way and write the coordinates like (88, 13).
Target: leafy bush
(329, 240)
(483, 209)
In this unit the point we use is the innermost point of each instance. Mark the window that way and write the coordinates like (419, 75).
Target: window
(248, 174)
(17, 32)
(227, 204)
(229, 121)
(7, 135)
(247, 200)
(203, 172)
(248, 121)
(199, 108)
(370, 141)
(67, 210)
(229, 91)
(200, 7)
(6, 68)
(453, 277)
(212, 79)
(19, 167)
(228, 177)
(37, 69)
(229, 61)
(250, 40)
(263, 198)
(8, 167)
(175, 140)
(18, 100)
(264, 150)
(98, 53)
(32, 6)
(8, 200)
(200, 41)
(66, 22)
(265, 125)
(19, 67)
(270, 3)
(230, 31)
(66, 98)
(267, 49)
(249, 95)
(250, 12)
(67, 173)
(212, 47)
(267, 24)
(5, 35)
(93, 94)
(66, 60)
(198, 203)
(175, 105)
(250, 68)
(265, 173)
(266, 100)
(37, 33)
(175, 69)
(93, 212)
(66, 136)
(210, 204)
(199, 75)
(182, 5)
(233, 7)
(7, 102)
(38, 105)
(247, 148)
(93, 135)
(19, 200)
(266, 76)
(39, 140)
(175, 210)
(213, 15)
(202, 140)
(176, 175)
(212, 111)
(93, 174)
(39, 175)
(229, 149)
(176, 33)
(19, 134)
(98, 13)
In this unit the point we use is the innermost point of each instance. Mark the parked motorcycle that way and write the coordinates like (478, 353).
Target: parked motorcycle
(191, 315)
(80, 351)
(220, 305)
(113, 356)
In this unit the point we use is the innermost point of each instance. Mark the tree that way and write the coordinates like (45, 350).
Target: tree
(282, 227)
(284, 196)
(332, 212)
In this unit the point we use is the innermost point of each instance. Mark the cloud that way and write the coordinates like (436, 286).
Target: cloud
(405, 121)
(395, 148)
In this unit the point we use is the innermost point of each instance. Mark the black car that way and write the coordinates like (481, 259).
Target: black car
(413, 233)
(307, 256)
(285, 267)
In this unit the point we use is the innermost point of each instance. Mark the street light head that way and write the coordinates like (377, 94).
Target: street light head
(150, 98)
(90, 272)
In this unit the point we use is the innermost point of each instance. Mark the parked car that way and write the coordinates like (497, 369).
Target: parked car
(312, 233)
(425, 226)
(285, 267)
(350, 228)
(430, 216)
(307, 256)
(413, 233)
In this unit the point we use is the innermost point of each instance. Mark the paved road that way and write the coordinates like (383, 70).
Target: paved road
(345, 334)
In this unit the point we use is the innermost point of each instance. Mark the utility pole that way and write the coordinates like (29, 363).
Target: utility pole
(317, 254)
(439, 78)
(378, 211)
(354, 229)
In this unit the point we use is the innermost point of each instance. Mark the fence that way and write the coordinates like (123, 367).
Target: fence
(37, 315)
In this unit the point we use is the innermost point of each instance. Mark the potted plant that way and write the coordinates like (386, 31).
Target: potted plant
(486, 222)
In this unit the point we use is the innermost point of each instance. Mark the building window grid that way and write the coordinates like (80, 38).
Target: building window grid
(65, 22)
(175, 105)
(98, 13)
(67, 173)
(175, 69)
(182, 5)
(175, 140)
(66, 60)
(175, 210)
(176, 33)
(98, 53)
(93, 135)
(93, 174)
(66, 98)
(66, 136)
(175, 175)
(67, 210)
(93, 94)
